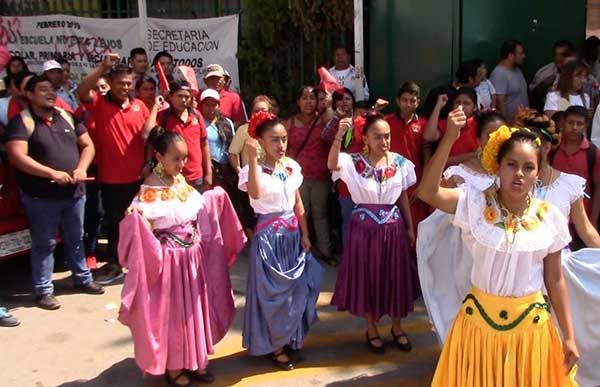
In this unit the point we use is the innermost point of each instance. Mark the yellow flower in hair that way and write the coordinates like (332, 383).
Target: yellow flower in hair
(489, 155)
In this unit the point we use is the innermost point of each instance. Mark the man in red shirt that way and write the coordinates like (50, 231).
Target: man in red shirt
(407, 139)
(230, 103)
(575, 155)
(188, 122)
(120, 158)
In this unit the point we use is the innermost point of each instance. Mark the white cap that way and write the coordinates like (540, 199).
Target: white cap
(51, 65)
(210, 93)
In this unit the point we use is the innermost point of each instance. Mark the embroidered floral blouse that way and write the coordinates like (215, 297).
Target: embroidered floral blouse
(166, 207)
(277, 187)
(508, 262)
(370, 185)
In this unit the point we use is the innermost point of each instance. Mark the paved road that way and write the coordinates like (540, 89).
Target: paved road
(82, 344)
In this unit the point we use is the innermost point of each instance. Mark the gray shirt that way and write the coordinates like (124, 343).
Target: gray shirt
(512, 85)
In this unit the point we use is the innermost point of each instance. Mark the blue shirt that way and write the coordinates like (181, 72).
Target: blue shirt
(219, 151)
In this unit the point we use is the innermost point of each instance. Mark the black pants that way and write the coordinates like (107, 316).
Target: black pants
(116, 198)
(94, 214)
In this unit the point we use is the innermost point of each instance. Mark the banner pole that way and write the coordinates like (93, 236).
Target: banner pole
(358, 50)
(143, 18)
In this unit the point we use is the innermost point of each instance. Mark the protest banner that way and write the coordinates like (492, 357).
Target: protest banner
(84, 41)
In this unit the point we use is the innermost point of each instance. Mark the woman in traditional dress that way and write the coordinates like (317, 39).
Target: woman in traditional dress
(177, 246)
(444, 262)
(503, 334)
(283, 277)
(378, 274)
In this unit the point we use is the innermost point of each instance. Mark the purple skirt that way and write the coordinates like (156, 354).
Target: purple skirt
(378, 273)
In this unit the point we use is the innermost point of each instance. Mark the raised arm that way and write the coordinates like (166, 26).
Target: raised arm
(253, 170)
(89, 82)
(151, 120)
(334, 151)
(557, 291)
(430, 190)
(432, 132)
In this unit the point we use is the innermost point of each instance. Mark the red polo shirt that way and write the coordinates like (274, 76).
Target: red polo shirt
(467, 140)
(577, 164)
(16, 105)
(194, 133)
(231, 106)
(119, 144)
(407, 139)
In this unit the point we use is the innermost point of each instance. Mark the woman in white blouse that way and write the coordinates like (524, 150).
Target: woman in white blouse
(377, 275)
(503, 334)
(569, 89)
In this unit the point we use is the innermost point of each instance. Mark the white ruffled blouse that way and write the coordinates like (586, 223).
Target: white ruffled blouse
(277, 187)
(479, 180)
(370, 185)
(505, 266)
(163, 206)
(563, 192)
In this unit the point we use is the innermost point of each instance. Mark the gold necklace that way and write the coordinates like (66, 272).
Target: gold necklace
(512, 223)
(181, 191)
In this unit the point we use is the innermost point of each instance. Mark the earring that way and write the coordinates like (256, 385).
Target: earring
(365, 150)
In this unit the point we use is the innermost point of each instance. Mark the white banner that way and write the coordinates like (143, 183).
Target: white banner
(197, 43)
(84, 41)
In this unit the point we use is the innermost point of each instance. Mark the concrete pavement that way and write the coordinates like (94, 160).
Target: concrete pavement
(82, 344)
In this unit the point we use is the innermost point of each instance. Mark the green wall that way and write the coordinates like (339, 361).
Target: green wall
(536, 23)
(410, 40)
(425, 40)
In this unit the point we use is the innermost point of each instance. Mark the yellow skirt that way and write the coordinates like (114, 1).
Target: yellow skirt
(503, 341)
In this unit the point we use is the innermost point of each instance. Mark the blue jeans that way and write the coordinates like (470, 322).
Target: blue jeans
(347, 206)
(45, 217)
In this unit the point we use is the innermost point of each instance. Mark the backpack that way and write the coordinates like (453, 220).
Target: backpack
(29, 122)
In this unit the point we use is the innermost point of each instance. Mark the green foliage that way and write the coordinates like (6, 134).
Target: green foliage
(283, 42)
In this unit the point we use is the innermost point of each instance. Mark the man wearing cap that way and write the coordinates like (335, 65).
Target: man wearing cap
(120, 158)
(231, 104)
(55, 73)
(51, 152)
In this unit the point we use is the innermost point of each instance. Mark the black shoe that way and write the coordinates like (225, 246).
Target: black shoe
(372, 348)
(173, 381)
(90, 288)
(207, 377)
(405, 347)
(285, 365)
(108, 274)
(48, 302)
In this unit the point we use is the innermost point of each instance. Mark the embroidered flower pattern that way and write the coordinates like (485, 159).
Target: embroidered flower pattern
(381, 175)
(533, 218)
(181, 191)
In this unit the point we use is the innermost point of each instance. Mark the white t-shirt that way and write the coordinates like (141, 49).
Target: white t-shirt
(369, 185)
(277, 188)
(485, 90)
(563, 192)
(503, 266)
(347, 78)
(554, 102)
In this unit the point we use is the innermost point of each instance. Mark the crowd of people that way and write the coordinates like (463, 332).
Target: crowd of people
(479, 200)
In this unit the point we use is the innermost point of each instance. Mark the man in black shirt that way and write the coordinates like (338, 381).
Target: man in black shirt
(51, 153)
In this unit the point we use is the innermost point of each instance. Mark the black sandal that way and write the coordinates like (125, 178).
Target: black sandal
(373, 348)
(285, 365)
(173, 381)
(207, 377)
(404, 347)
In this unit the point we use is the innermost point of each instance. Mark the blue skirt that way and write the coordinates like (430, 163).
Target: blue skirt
(282, 287)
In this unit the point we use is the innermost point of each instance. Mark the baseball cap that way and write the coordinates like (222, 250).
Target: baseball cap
(214, 70)
(51, 65)
(209, 93)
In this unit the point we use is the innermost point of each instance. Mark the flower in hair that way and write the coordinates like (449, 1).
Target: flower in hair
(489, 156)
(256, 120)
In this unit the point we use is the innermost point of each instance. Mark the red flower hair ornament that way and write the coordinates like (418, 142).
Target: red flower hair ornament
(257, 119)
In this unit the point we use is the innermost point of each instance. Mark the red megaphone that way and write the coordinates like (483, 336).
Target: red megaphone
(328, 81)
